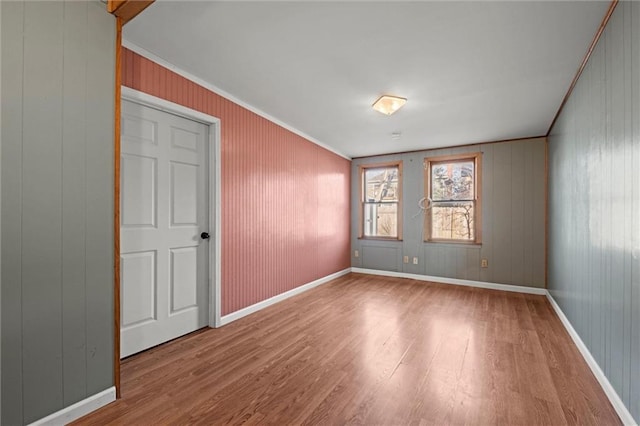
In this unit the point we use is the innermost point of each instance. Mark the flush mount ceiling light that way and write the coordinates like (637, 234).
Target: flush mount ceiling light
(387, 104)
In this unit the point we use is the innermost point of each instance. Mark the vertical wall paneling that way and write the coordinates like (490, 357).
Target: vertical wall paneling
(502, 213)
(634, 391)
(594, 193)
(99, 198)
(12, 83)
(518, 195)
(616, 75)
(627, 157)
(412, 242)
(331, 212)
(536, 183)
(74, 129)
(42, 198)
(285, 200)
(0, 215)
(380, 256)
(512, 219)
(486, 251)
(526, 219)
(56, 206)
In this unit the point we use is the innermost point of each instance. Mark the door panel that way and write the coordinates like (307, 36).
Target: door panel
(139, 182)
(164, 208)
(182, 138)
(138, 129)
(139, 300)
(184, 197)
(184, 279)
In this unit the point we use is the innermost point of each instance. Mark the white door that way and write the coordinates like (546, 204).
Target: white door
(164, 211)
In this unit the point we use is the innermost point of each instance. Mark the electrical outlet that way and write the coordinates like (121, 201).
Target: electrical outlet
(356, 253)
(415, 260)
(484, 263)
(405, 259)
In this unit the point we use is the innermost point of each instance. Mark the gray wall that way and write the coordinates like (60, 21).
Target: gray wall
(57, 205)
(512, 219)
(0, 219)
(594, 205)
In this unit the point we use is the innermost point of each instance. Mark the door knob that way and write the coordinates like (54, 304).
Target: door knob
(204, 235)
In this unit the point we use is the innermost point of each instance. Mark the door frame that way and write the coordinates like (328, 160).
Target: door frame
(214, 176)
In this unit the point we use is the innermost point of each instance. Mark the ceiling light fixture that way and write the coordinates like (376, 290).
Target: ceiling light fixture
(388, 104)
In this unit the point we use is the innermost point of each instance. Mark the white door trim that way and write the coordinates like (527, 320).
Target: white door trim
(215, 174)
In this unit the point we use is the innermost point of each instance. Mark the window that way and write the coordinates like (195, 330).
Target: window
(453, 201)
(381, 201)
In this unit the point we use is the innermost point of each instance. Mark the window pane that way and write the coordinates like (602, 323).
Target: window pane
(453, 220)
(381, 220)
(381, 184)
(452, 181)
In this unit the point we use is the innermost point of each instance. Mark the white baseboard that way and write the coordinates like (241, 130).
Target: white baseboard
(275, 299)
(455, 281)
(86, 406)
(79, 409)
(615, 400)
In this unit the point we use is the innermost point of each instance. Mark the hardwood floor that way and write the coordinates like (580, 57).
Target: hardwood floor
(370, 350)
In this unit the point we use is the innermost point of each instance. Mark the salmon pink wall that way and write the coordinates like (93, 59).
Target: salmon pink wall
(285, 200)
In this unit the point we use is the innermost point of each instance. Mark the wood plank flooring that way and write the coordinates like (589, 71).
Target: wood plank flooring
(370, 350)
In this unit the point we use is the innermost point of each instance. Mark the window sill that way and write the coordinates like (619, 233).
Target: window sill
(380, 239)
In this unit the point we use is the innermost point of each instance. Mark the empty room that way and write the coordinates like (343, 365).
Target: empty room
(319, 212)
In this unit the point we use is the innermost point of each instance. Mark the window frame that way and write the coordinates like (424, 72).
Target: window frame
(476, 157)
(362, 168)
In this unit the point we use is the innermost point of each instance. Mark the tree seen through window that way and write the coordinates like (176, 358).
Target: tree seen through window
(452, 195)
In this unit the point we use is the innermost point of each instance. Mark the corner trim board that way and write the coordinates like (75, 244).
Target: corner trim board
(594, 42)
(280, 297)
(79, 409)
(116, 207)
(454, 281)
(127, 9)
(614, 398)
(0, 218)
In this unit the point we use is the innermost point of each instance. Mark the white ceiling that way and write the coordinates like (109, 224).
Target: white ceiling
(472, 71)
